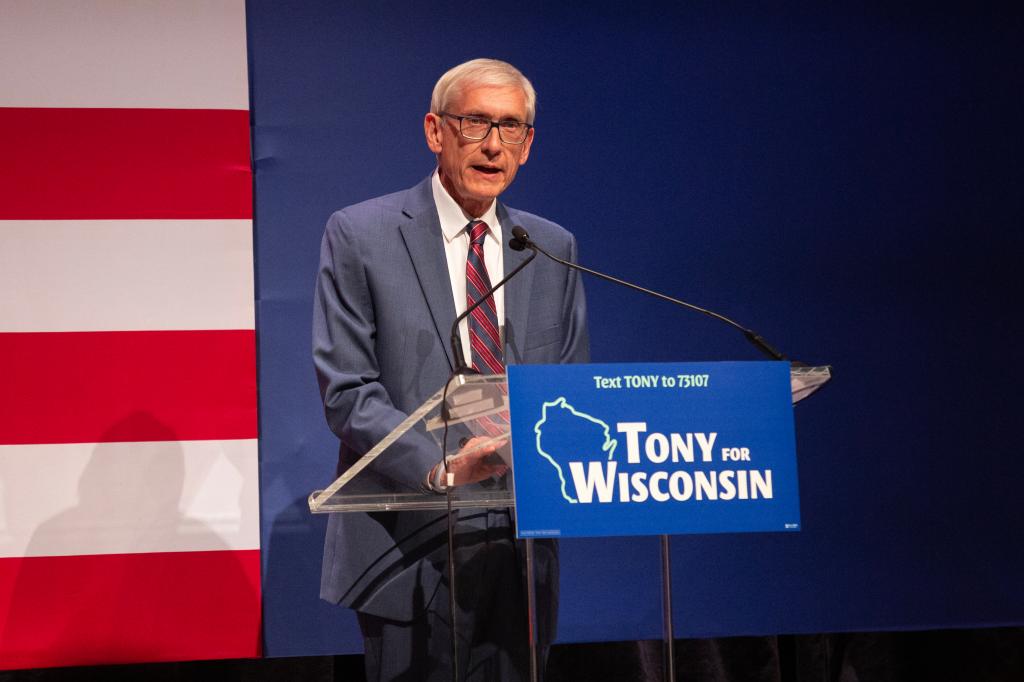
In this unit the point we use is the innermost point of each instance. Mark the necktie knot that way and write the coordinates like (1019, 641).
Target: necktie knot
(477, 232)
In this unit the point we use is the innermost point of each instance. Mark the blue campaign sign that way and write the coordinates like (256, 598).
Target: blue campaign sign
(651, 449)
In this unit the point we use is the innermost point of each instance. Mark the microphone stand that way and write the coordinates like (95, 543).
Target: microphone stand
(460, 370)
(753, 337)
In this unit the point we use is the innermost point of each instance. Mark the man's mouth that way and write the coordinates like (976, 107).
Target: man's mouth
(487, 170)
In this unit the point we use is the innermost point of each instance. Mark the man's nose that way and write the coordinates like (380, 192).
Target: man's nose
(492, 143)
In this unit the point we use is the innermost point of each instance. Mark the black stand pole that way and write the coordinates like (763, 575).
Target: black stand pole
(666, 611)
(531, 611)
(452, 519)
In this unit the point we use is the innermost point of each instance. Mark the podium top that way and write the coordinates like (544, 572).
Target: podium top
(477, 405)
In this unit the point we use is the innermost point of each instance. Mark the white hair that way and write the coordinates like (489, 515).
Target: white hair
(481, 72)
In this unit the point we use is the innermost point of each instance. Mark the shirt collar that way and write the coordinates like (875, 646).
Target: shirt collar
(453, 220)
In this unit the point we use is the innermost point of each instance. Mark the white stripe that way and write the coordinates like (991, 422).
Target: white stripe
(121, 498)
(120, 275)
(172, 54)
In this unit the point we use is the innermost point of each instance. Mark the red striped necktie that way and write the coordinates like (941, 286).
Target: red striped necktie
(484, 338)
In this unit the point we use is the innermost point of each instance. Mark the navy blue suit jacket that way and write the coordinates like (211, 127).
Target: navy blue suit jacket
(382, 320)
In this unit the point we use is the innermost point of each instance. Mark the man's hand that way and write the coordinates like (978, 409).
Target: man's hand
(477, 460)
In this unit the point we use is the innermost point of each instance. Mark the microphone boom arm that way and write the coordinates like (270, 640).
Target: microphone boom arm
(751, 336)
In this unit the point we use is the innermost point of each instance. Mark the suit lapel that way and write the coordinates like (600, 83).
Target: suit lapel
(421, 233)
(517, 291)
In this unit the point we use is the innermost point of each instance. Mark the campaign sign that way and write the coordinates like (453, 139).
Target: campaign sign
(651, 449)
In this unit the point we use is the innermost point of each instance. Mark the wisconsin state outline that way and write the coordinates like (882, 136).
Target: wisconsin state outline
(564, 434)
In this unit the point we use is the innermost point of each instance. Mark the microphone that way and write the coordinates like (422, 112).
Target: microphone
(516, 244)
(521, 240)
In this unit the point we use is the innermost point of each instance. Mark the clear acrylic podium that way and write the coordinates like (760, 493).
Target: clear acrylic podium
(477, 406)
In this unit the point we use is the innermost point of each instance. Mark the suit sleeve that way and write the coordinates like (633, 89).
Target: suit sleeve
(576, 345)
(356, 405)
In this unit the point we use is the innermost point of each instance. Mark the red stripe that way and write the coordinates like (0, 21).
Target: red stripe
(478, 253)
(480, 351)
(480, 285)
(123, 608)
(486, 342)
(479, 336)
(487, 326)
(476, 280)
(484, 354)
(480, 370)
(125, 163)
(87, 387)
(476, 232)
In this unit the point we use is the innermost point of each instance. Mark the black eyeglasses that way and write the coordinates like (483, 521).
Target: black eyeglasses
(510, 131)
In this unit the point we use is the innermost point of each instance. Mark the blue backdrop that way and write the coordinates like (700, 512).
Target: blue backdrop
(844, 180)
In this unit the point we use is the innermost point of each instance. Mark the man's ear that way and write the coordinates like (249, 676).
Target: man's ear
(432, 131)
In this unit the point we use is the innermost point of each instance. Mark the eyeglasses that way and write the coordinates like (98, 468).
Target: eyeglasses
(510, 131)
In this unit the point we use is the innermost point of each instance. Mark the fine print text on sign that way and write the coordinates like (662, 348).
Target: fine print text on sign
(652, 449)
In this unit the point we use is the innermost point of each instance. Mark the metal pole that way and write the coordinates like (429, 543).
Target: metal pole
(452, 519)
(666, 611)
(531, 611)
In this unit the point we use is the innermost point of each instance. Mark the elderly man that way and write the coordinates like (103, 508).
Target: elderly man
(394, 273)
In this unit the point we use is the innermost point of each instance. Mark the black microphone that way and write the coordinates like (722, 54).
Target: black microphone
(516, 244)
(521, 240)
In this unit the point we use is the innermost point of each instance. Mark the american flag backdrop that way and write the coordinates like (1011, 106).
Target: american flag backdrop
(129, 518)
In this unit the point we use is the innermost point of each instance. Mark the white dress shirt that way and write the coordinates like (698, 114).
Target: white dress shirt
(456, 249)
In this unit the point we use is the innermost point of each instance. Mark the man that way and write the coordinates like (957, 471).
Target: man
(394, 273)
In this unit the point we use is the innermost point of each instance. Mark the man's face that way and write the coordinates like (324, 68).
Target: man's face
(475, 172)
